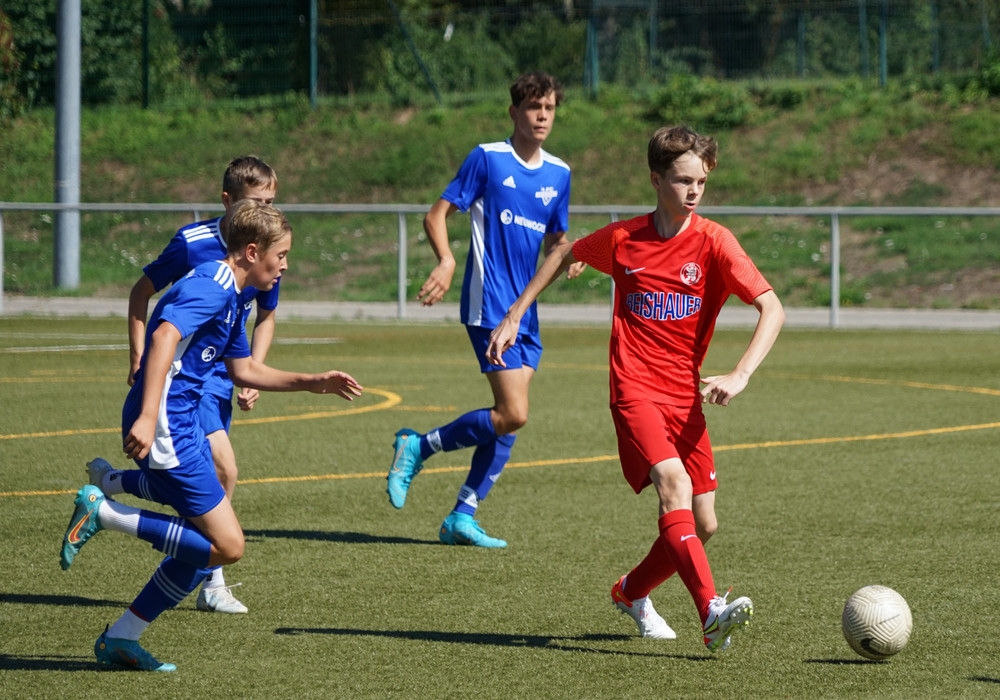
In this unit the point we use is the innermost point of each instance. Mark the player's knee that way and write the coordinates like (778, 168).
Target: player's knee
(511, 420)
(231, 550)
(706, 528)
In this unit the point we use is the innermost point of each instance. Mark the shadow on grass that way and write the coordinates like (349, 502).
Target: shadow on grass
(325, 536)
(493, 639)
(984, 679)
(10, 662)
(70, 600)
(845, 662)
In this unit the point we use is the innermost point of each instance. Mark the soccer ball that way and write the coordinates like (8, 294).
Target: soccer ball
(876, 622)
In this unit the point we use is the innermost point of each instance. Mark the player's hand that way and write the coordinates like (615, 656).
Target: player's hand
(438, 283)
(575, 270)
(722, 389)
(502, 339)
(131, 375)
(339, 383)
(247, 398)
(139, 438)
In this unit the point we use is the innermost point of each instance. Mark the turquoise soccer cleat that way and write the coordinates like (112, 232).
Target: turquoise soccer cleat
(406, 464)
(125, 653)
(460, 528)
(83, 525)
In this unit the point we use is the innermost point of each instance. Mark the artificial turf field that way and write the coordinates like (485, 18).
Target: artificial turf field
(854, 457)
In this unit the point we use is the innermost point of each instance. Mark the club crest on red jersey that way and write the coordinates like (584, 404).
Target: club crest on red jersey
(691, 273)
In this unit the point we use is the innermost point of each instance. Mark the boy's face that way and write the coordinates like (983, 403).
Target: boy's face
(268, 265)
(263, 195)
(533, 118)
(679, 190)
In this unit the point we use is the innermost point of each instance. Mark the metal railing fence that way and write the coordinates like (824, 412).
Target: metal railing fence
(613, 211)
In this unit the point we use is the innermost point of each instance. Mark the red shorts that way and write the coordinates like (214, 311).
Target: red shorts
(650, 433)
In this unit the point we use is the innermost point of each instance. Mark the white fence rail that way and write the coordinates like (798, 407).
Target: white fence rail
(613, 211)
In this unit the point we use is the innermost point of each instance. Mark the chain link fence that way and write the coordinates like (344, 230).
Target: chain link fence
(166, 52)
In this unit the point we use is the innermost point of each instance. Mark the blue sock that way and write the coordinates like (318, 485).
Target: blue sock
(487, 462)
(469, 430)
(175, 537)
(135, 483)
(171, 583)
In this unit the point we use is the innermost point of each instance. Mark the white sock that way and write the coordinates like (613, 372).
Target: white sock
(215, 579)
(111, 484)
(128, 626)
(119, 517)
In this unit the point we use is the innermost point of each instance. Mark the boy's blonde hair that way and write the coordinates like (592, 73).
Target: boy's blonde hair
(246, 172)
(253, 222)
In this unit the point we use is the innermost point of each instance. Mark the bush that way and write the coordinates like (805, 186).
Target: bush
(705, 104)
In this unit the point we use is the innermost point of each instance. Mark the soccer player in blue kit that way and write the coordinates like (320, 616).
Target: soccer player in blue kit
(246, 177)
(198, 322)
(518, 198)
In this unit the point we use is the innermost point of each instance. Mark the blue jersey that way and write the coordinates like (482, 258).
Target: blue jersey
(191, 246)
(512, 207)
(206, 309)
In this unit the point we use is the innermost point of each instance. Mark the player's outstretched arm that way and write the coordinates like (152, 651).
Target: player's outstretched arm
(721, 389)
(436, 227)
(247, 372)
(504, 335)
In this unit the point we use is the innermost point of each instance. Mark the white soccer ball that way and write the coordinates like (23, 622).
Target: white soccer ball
(876, 622)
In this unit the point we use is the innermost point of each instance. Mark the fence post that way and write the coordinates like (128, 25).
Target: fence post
(401, 268)
(834, 269)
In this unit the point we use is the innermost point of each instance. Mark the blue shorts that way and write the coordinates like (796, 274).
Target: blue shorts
(191, 488)
(527, 351)
(215, 414)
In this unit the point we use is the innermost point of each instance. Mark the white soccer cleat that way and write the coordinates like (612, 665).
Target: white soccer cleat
(641, 610)
(723, 618)
(97, 471)
(220, 599)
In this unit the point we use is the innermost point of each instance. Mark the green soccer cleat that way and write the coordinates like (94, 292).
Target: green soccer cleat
(125, 653)
(460, 528)
(83, 525)
(406, 464)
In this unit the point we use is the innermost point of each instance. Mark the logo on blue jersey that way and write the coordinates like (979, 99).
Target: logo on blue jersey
(508, 217)
(662, 306)
(509, 182)
(546, 194)
(208, 354)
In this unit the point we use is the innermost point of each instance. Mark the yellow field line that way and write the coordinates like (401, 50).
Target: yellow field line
(582, 460)
(391, 401)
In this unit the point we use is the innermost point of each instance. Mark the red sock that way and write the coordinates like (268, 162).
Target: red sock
(656, 568)
(679, 538)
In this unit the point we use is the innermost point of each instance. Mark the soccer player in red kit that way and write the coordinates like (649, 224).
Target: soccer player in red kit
(673, 271)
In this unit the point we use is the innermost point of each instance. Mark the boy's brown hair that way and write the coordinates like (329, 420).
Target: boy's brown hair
(535, 85)
(671, 142)
(247, 172)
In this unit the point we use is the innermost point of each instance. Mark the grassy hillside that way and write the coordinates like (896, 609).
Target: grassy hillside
(841, 144)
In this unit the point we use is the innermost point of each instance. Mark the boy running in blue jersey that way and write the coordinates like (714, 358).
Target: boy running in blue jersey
(246, 177)
(518, 198)
(197, 323)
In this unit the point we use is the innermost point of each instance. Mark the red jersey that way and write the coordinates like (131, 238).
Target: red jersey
(668, 294)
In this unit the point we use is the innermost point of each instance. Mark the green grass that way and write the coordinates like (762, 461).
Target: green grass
(852, 458)
(837, 143)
